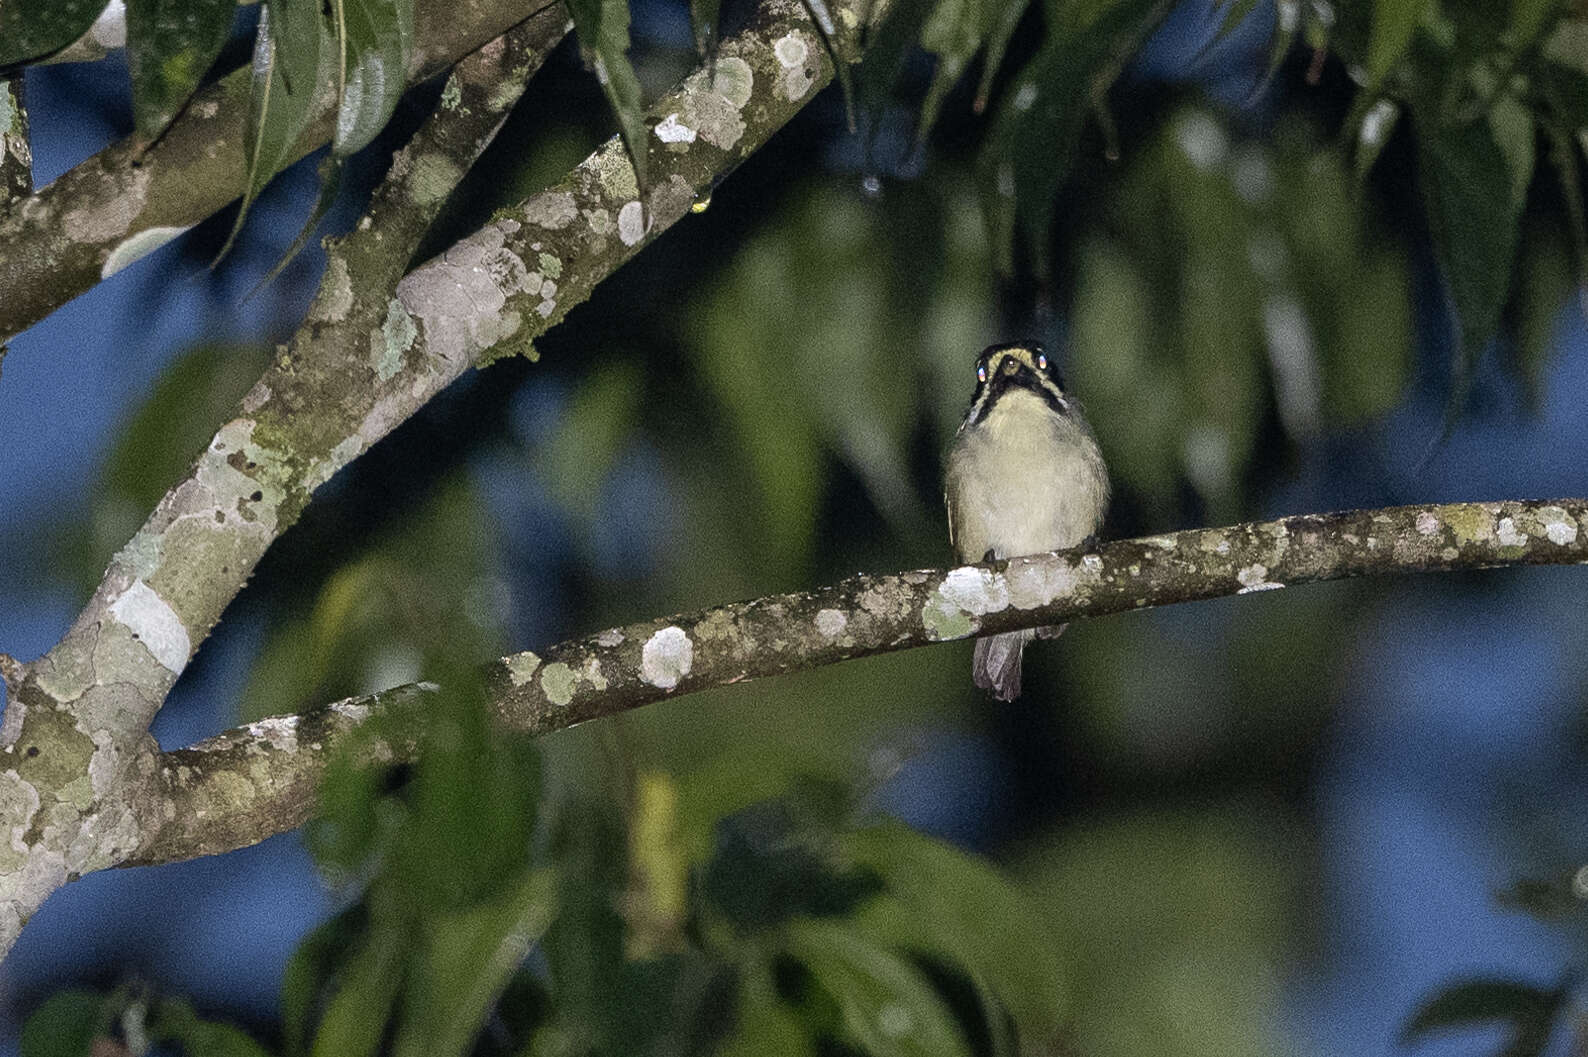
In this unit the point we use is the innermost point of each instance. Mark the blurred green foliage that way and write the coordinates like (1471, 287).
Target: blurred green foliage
(712, 876)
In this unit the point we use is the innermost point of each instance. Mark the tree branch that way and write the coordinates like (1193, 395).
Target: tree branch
(258, 780)
(84, 792)
(16, 158)
(132, 198)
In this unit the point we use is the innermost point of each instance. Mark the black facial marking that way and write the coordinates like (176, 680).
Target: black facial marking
(1023, 378)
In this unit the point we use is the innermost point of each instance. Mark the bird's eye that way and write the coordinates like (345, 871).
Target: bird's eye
(1042, 361)
(981, 372)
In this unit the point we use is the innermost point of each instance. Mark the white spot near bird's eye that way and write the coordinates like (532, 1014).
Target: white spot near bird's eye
(981, 373)
(667, 657)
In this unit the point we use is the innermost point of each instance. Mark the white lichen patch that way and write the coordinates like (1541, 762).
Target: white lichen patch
(1559, 527)
(830, 623)
(1427, 523)
(452, 92)
(1507, 534)
(154, 623)
(521, 667)
(793, 53)
(714, 109)
(335, 298)
(610, 638)
(461, 298)
(138, 246)
(276, 732)
(666, 657)
(1255, 578)
(397, 335)
(109, 209)
(631, 223)
(558, 682)
(671, 130)
(553, 210)
(433, 177)
(593, 674)
(976, 591)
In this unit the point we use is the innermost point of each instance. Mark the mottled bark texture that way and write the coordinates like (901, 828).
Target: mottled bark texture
(258, 780)
(16, 158)
(130, 199)
(82, 785)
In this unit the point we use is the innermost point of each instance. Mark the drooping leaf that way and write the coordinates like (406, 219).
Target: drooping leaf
(955, 32)
(888, 1007)
(1530, 1011)
(703, 15)
(603, 29)
(1032, 144)
(66, 1025)
(828, 28)
(942, 901)
(1235, 12)
(34, 29)
(375, 39)
(1009, 16)
(1394, 22)
(1475, 177)
(465, 960)
(366, 987)
(1373, 132)
(171, 44)
(294, 56)
(314, 964)
(887, 48)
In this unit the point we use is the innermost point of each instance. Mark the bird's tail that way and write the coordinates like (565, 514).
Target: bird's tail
(996, 667)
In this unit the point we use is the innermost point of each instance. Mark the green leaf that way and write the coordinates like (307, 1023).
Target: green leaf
(34, 29)
(943, 901)
(1009, 15)
(597, 427)
(1530, 1011)
(466, 959)
(1475, 178)
(888, 1007)
(603, 29)
(310, 970)
(376, 39)
(1031, 147)
(887, 50)
(66, 1025)
(173, 1020)
(703, 15)
(1235, 12)
(765, 1025)
(171, 44)
(366, 987)
(955, 32)
(294, 54)
(1394, 22)
(1373, 132)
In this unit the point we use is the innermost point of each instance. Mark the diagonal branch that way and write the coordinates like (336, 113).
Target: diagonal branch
(131, 198)
(259, 780)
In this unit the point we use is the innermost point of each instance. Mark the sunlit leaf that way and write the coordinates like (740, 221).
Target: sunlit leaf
(1394, 22)
(66, 1025)
(294, 56)
(465, 960)
(603, 29)
(889, 1008)
(376, 39)
(33, 29)
(1528, 1010)
(946, 902)
(171, 44)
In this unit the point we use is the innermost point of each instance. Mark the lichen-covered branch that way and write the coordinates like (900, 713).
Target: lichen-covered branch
(132, 198)
(80, 782)
(258, 780)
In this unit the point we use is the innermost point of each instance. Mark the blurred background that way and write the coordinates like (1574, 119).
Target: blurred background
(1278, 823)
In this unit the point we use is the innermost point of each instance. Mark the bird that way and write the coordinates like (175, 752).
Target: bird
(1024, 475)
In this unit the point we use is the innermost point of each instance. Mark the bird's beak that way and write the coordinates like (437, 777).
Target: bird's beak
(1010, 365)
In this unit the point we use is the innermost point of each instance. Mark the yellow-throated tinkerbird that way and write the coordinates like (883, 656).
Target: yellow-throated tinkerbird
(1024, 476)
